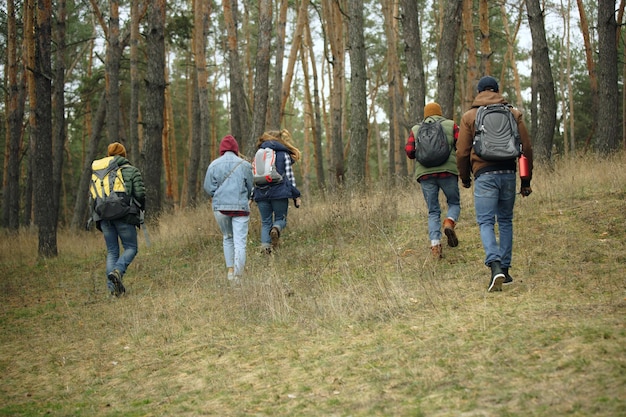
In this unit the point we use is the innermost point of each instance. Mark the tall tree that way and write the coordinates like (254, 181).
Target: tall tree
(606, 137)
(152, 154)
(416, 84)
(202, 33)
(15, 116)
(261, 77)
(200, 109)
(591, 67)
(471, 72)
(333, 22)
(317, 126)
(41, 128)
(358, 97)
(113, 73)
(276, 108)
(239, 108)
(397, 128)
(543, 83)
(446, 56)
(59, 109)
(133, 112)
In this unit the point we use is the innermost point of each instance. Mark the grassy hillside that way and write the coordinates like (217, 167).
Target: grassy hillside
(351, 317)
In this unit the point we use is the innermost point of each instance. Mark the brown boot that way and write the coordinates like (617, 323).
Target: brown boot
(275, 236)
(448, 229)
(436, 251)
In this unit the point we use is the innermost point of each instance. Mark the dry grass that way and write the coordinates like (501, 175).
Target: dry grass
(350, 318)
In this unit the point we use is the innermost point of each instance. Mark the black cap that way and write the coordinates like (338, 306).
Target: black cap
(488, 83)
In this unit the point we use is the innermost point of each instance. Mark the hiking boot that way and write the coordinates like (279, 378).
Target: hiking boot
(497, 277)
(508, 279)
(436, 251)
(448, 229)
(275, 236)
(116, 278)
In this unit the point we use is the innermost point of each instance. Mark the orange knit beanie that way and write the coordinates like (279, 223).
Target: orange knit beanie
(116, 148)
(432, 109)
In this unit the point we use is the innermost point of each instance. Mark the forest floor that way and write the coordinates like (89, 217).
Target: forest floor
(350, 317)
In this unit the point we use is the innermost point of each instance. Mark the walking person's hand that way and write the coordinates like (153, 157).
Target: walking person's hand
(525, 191)
(296, 202)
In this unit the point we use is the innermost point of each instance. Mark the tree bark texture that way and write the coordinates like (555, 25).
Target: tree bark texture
(239, 104)
(276, 113)
(606, 137)
(59, 110)
(358, 96)
(416, 81)
(15, 131)
(261, 78)
(446, 57)
(43, 193)
(152, 161)
(542, 73)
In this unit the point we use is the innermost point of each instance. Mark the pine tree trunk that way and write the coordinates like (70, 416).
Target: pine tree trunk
(59, 110)
(471, 77)
(113, 73)
(446, 57)
(333, 18)
(151, 162)
(277, 90)
(591, 68)
(41, 127)
(542, 74)
(239, 104)
(261, 78)
(358, 96)
(416, 84)
(605, 141)
(15, 120)
(317, 126)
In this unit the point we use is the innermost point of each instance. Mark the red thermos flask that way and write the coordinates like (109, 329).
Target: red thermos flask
(524, 169)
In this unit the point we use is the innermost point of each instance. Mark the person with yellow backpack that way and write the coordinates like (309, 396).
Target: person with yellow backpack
(117, 198)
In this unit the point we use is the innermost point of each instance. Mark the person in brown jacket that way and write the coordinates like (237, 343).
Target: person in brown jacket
(494, 185)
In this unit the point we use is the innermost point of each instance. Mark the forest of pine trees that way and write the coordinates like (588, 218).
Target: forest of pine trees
(348, 78)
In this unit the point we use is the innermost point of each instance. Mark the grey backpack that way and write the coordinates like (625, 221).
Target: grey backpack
(497, 137)
(431, 144)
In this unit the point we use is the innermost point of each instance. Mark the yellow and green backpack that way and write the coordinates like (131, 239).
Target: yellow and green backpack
(108, 194)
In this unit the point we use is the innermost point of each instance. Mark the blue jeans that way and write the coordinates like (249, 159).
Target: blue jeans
(235, 237)
(273, 214)
(494, 198)
(430, 189)
(114, 231)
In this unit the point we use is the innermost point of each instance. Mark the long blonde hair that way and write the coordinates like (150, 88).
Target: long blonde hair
(283, 136)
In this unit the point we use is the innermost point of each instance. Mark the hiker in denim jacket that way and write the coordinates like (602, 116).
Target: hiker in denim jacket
(229, 182)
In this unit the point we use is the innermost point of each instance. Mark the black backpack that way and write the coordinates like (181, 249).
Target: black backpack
(431, 144)
(497, 137)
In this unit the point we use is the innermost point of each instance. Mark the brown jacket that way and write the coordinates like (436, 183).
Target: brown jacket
(466, 159)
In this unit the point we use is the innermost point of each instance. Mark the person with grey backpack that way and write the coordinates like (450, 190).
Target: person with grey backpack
(492, 137)
(432, 144)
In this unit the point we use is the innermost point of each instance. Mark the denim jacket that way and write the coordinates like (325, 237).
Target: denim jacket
(229, 181)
